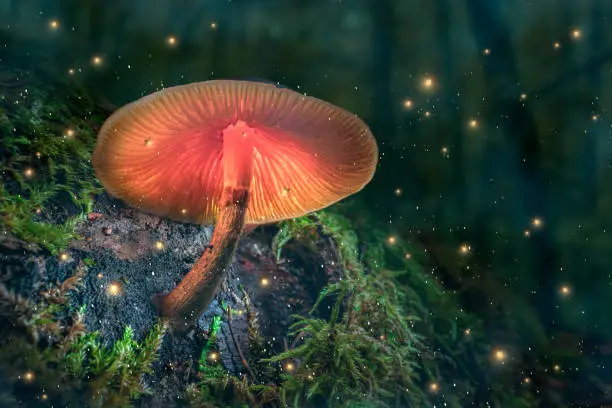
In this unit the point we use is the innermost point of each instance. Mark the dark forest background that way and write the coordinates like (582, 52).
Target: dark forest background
(506, 153)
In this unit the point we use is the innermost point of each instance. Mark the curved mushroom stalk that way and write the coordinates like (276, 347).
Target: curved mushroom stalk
(192, 296)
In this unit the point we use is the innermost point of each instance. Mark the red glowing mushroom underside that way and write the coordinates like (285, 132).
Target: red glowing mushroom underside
(257, 152)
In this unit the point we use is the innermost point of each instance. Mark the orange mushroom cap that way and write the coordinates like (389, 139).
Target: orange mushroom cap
(164, 153)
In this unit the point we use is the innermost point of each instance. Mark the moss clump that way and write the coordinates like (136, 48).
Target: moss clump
(47, 134)
(115, 373)
(367, 351)
(217, 388)
(344, 364)
(308, 230)
(365, 354)
(48, 354)
(19, 215)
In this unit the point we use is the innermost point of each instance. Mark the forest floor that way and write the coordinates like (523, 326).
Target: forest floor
(128, 256)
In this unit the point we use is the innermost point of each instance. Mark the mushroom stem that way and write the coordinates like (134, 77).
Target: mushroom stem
(237, 156)
(192, 296)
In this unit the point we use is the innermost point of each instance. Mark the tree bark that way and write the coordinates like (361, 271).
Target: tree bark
(451, 113)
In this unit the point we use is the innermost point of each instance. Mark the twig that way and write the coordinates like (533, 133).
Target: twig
(244, 362)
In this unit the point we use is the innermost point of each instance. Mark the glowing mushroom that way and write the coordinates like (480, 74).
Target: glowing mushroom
(234, 152)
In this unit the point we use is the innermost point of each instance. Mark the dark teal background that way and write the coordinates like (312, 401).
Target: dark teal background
(542, 147)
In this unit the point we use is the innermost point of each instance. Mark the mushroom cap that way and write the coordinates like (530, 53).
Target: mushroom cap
(164, 152)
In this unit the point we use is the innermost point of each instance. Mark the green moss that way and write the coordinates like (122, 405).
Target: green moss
(345, 364)
(114, 373)
(308, 229)
(18, 214)
(296, 228)
(219, 388)
(367, 352)
(210, 345)
(49, 349)
(46, 140)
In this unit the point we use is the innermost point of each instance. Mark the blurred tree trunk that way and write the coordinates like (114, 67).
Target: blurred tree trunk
(98, 26)
(579, 104)
(96, 23)
(195, 20)
(382, 64)
(600, 149)
(383, 114)
(523, 149)
(597, 151)
(76, 13)
(451, 113)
